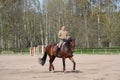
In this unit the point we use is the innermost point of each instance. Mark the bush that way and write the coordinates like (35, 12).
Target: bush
(14, 51)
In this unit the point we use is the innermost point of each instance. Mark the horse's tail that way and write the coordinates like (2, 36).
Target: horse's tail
(43, 59)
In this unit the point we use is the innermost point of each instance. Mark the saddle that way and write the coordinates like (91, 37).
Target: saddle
(61, 46)
(64, 42)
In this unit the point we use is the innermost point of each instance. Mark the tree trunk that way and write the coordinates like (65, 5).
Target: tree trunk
(98, 20)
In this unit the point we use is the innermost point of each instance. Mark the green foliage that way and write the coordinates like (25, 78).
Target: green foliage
(25, 23)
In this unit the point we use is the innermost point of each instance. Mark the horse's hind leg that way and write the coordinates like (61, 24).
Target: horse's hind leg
(51, 65)
(74, 64)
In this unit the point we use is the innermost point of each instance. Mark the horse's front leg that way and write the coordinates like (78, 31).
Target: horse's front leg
(63, 59)
(74, 63)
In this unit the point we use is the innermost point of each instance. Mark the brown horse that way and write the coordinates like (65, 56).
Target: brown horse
(66, 51)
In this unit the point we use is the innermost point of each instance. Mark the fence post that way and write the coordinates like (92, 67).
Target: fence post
(42, 49)
(32, 51)
(118, 51)
(93, 51)
(105, 51)
(81, 51)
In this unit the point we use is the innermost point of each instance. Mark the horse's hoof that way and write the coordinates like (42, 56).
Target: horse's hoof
(52, 71)
(64, 71)
(74, 70)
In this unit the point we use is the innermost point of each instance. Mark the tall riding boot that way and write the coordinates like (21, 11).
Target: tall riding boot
(56, 52)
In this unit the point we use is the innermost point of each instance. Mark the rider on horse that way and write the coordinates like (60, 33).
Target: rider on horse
(63, 36)
(65, 52)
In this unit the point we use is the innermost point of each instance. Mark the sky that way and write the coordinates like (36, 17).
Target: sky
(118, 4)
(41, 2)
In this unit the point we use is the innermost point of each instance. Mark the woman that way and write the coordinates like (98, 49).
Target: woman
(62, 35)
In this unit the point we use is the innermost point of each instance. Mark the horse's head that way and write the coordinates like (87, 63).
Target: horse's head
(71, 43)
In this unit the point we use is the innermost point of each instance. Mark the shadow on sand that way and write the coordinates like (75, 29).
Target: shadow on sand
(66, 72)
(76, 71)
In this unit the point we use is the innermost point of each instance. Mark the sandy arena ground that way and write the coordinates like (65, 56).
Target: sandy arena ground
(89, 67)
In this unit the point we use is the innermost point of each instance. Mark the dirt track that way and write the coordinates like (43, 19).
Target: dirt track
(89, 67)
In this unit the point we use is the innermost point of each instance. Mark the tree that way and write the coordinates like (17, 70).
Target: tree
(25, 23)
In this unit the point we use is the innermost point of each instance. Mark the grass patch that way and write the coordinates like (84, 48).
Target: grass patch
(23, 51)
(15, 51)
(97, 51)
(6, 52)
